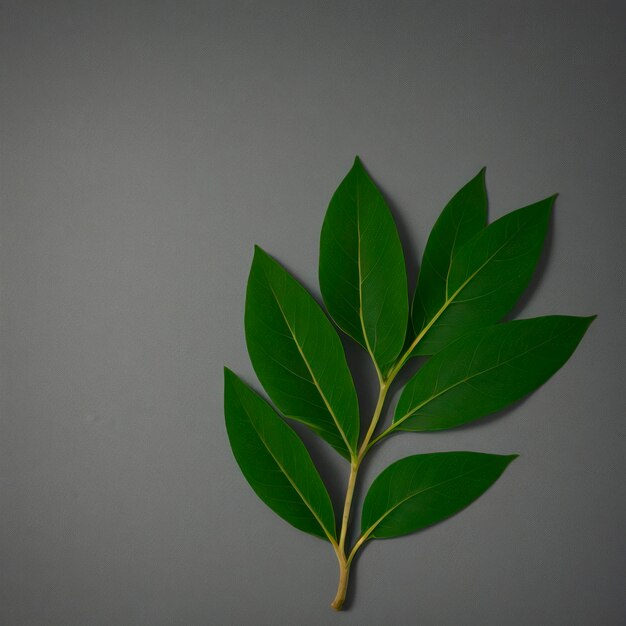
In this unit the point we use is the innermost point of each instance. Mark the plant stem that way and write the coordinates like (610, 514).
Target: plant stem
(344, 573)
(344, 562)
(382, 394)
(354, 470)
(385, 382)
(362, 539)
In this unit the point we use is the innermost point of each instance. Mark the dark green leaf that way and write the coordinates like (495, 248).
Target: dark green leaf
(486, 370)
(485, 279)
(275, 461)
(298, 356)
(463, 217)
(362, 271)
(424, 489)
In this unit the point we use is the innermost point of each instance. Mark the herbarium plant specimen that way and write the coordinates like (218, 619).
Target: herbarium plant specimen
(470, 277)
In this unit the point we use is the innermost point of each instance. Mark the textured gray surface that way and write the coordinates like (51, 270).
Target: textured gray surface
(145, 147)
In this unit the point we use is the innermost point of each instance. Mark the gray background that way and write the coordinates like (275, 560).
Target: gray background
(146, 146)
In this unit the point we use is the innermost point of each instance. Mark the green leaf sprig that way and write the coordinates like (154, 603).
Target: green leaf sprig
(471, 276)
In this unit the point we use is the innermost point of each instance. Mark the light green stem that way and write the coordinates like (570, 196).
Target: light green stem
(345, 559)
(342, 588)
(354, 469)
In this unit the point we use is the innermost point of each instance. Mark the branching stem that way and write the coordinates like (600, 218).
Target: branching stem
(345, 559)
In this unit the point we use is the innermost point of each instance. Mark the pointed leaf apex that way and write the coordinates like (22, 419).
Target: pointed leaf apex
(478, 180)
(480, 177)
(551, 199)
(358, 164)
(545, 205)
(258, 251)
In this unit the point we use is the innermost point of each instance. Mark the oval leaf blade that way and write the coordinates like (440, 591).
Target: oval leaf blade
(362, 271)
(486, 370)
(275, 461)
(424, 489)
(298, 356)
(485, 278)
(463, 217)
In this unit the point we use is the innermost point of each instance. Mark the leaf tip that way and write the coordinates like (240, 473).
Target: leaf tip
(589, 320)
(543, 208)
(480, 178)
(259, 252)
(584, 322)
(507, 459)
(358, 164)
(478, 182)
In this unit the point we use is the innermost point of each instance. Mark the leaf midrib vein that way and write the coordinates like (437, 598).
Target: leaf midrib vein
(468, 378)
(306, 362)
(451, 299)
(373, 527)
(358, 230)
(293, 484)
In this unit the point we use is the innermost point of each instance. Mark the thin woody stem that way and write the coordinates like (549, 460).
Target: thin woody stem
(384, 387)
(354, 469)
(344, 561)
(355, 549)
(344, 574)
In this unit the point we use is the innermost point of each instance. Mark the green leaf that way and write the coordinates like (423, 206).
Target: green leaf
(485, 278)
(275, 461)
(424, 489)
(298, 356)
(486, 370)
(463, 217)
(362, 271)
